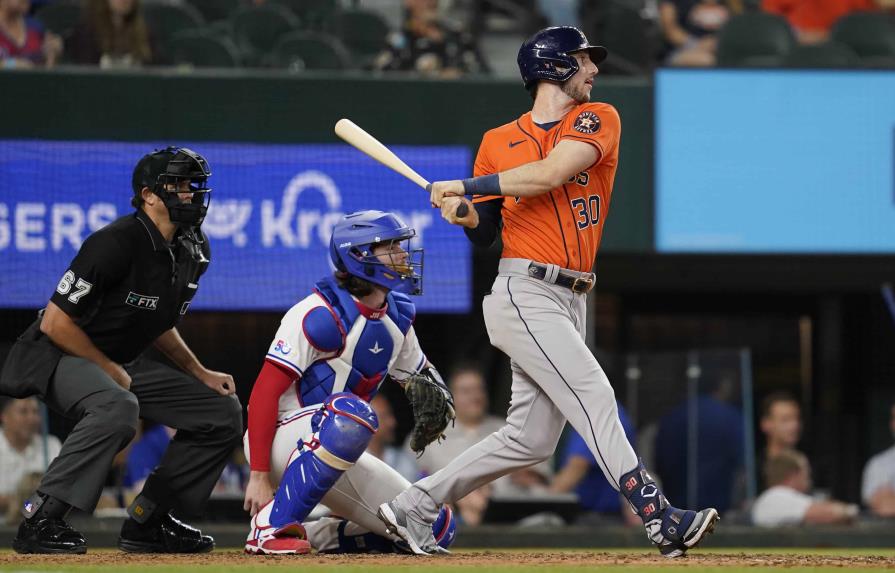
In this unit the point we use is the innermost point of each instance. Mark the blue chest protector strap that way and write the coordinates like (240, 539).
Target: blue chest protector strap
(342, 428)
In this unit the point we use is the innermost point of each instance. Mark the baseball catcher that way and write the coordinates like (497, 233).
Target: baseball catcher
(309, 414)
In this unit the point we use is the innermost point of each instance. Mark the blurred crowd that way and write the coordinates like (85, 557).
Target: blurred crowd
(570, 488)
(441, 38)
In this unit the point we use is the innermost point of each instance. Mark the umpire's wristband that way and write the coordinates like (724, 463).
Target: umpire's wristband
(482, 185)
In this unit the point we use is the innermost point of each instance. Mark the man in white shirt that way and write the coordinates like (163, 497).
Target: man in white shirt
(878, 484)
(787, 502)
(23, 450)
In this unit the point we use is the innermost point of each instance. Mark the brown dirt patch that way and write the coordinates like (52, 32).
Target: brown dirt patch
(458, 559)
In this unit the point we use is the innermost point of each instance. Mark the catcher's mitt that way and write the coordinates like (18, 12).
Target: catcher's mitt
(433, 408)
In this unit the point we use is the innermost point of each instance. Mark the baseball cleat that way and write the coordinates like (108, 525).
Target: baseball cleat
(667, 533)
(290, 539)
(417, 534)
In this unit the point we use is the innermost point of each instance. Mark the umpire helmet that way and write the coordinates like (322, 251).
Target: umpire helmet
(547, 55)
(351, 251)
(163, 169)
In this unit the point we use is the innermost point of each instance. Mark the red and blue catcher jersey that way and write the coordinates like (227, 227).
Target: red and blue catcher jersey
(334, 344)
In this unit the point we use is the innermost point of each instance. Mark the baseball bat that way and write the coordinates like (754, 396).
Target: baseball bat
(369, 145)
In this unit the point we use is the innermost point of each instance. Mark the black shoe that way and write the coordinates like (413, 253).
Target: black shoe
(48, 535)
(167, 535)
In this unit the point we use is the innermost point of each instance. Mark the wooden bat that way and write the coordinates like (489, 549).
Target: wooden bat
(366, 143)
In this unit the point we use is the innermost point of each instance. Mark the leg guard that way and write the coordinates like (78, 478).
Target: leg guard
(333, 535)
(342, 429)
(445, 527)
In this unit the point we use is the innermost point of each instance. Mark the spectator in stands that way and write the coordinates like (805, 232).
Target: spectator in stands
(878, 484)
(781, 425)
(473, 423)
(382, 443)
(719, 448)
(428, 46)
(23, 41)
(690, 28)
(23, 450)
(144, 454)
(812, 19)
(787, 500)
(112, 34)
(581, 473)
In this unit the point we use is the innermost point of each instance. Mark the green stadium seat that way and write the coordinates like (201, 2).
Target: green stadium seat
(826, 55)
(298, 51)
(313, 14)
(754, 39)
(257, 29)
(203, 50)
(60, 17)
(167, 19)
(363, 32)
(216, 10)
(870, 35)
(630, 37)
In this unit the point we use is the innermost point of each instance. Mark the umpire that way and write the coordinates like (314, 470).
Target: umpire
(127, 288)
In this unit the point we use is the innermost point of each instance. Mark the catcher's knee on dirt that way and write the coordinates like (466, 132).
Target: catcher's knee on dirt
(343, 428)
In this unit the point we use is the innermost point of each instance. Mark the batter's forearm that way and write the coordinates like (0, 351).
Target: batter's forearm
(64, 333)
(530, 180)
(172, 345)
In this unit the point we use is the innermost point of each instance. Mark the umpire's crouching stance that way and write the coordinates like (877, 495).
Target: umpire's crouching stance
(126, 289)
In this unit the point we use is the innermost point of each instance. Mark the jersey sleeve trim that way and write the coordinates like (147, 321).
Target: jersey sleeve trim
(283, 362)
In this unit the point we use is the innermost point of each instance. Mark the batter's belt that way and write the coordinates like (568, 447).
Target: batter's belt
(575, 281)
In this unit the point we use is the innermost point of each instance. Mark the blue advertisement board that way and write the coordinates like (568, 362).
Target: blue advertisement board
(775, 161)
(271, 215)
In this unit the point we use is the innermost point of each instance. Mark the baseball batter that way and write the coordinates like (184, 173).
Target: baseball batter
(546, 178)
(309, 414)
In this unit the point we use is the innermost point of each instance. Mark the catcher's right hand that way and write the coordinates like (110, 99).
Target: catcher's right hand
(433, 408)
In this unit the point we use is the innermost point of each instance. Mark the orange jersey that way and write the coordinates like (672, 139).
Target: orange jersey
(564, 226)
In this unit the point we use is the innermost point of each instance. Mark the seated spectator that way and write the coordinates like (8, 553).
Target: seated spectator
(781, 424)
(690, 28)
(428, 46)
(382, 443)
(473, 422)
(23, 41)
(719, 448)
(787, 500)
(812, 19)
(580, 473)
(878, 484)
(113, 34)
(23, 450)
(144, 454)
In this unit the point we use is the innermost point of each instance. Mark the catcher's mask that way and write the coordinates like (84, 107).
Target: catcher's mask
(397, 267)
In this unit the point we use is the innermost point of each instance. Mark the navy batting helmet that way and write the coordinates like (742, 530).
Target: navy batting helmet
(548, 54)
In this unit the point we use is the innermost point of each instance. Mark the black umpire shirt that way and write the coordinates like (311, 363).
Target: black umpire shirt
(124, 288)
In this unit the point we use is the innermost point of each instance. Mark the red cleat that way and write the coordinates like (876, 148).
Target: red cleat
(290, 539)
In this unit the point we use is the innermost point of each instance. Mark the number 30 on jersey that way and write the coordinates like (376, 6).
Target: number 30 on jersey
(587, 211)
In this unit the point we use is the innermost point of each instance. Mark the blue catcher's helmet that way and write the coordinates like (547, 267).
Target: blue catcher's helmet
(351, 251)
(548, 54)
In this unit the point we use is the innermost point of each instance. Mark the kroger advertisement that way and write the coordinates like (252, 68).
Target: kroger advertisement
(271, 215)
(775, 161)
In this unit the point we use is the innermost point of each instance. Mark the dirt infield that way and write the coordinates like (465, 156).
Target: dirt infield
(472, 559)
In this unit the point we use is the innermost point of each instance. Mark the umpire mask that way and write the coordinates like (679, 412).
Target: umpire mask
(172, 172)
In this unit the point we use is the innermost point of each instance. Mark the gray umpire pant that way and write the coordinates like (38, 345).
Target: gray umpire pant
(208, 426)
